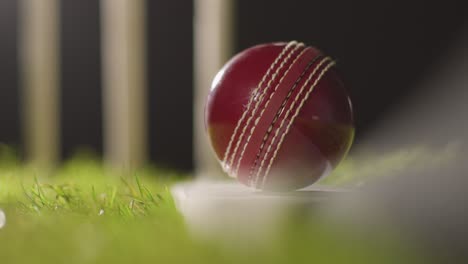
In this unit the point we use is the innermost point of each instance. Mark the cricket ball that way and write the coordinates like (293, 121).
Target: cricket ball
(279, 117)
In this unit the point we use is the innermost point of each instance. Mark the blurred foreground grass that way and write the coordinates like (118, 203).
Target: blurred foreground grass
(85, 214)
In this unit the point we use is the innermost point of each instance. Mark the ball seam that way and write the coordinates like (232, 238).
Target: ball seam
(254, 112)
(275, 119)
(257, 119)
(296, 113)
(246, 111)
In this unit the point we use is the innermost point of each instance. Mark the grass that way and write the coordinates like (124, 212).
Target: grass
(83, 213)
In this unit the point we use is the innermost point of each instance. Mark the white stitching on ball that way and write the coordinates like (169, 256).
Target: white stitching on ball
(262, 93)
(298, 109)
(273, 65)
(264, 107)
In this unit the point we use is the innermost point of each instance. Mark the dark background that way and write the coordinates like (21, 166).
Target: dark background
(9, 75)
(383, 49)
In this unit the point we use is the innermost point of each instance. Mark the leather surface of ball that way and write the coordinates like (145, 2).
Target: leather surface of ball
(279, 117)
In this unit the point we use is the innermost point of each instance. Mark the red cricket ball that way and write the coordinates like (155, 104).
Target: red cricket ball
(278, 116)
